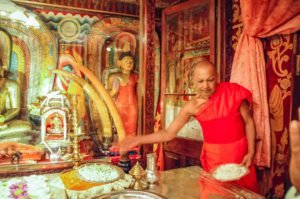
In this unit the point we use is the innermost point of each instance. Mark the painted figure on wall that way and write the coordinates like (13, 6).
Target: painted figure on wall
(122, 87)
(10, 96)
(174, 57)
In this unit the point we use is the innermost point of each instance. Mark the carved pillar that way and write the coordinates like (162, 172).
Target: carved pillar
(147, 59)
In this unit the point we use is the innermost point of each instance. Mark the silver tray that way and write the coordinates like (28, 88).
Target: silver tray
(131, 194)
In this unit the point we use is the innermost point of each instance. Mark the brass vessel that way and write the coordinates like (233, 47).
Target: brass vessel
(139, 176)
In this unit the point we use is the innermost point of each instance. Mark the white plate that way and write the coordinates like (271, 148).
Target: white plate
(229, 172)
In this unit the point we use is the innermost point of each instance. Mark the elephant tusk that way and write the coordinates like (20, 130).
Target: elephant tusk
(100, 106)
(107, 99)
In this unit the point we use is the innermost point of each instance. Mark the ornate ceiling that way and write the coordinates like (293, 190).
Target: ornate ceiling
(159, 3)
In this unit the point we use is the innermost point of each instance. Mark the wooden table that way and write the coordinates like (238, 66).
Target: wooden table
(194, 183)
(188, 183)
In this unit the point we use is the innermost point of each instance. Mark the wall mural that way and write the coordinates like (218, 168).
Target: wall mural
(72, 31)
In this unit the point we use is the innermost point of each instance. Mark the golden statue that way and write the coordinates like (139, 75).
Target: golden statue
(56, 126)
(11, 130)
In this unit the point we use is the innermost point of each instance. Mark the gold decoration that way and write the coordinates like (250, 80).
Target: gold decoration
(69, 29)
(277, 54)
(279, 190)
(139, 175)
(126, 47)
(237, 24)
(276, 108)
(75, 133)
(280, 91)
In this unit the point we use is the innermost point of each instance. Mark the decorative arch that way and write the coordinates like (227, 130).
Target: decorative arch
(103, 33)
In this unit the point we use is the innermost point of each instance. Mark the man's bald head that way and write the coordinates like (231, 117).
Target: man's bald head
(203, 64)
(205, 78)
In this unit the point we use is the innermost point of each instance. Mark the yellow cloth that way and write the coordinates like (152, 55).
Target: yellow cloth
(72, 181)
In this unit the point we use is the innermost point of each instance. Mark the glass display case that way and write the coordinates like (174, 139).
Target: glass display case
(48, 47)
(188, 33)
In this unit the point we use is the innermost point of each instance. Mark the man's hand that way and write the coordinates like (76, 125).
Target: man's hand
(247, 160)
(295, 152)
(128, 143)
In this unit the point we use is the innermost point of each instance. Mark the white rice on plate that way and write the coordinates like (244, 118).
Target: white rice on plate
(229, 172)
(99, 173)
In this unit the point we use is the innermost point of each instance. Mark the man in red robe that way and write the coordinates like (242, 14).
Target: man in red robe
(224, 114)
(227, 129)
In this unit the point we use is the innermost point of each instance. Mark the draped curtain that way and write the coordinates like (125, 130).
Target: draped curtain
(261, 18)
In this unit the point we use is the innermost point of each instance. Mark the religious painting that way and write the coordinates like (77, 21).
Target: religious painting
(174, 36)
(196, 26)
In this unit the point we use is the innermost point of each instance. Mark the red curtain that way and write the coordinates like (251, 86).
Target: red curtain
(261, 18)
(158, 148)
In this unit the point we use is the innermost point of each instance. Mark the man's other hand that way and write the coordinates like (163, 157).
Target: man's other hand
(247, 160)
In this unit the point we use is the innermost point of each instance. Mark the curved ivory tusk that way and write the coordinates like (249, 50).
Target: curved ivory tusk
(107, 99)
(98, 102)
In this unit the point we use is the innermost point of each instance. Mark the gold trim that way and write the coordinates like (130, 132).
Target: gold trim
(35, 4)
(32, 4)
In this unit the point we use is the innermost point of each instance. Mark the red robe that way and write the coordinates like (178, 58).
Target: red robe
(223, 130)
(126, 102)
